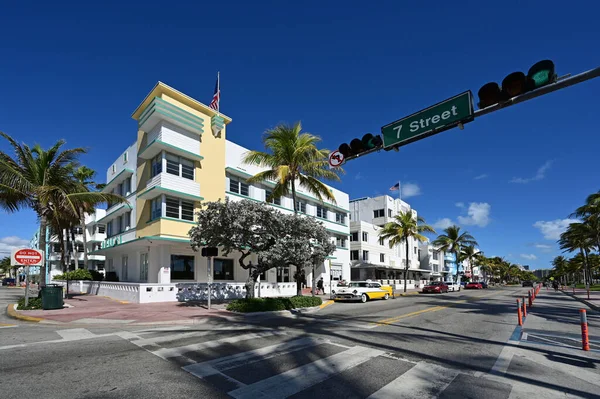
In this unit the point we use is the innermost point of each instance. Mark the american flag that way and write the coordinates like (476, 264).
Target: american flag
(214, 104)
(395, 187)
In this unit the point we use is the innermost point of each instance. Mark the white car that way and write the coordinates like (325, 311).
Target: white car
(363, 291)
(453, 286)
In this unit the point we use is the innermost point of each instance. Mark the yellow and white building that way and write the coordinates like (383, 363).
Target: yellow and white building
(180, 158)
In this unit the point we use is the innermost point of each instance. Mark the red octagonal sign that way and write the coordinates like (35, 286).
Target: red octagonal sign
(27, 257)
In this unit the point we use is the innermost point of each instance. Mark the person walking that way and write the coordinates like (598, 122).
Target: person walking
(320, 286)
(555, 285)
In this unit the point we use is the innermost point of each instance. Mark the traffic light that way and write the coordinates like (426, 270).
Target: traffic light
(358, 146)
(517, 83)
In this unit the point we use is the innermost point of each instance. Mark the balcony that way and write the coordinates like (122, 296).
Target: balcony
(119, 178)
(165, 183)
(116, 211)
(159, 110)
(97, 237)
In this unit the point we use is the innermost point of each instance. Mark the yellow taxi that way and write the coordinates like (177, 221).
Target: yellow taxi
(364, 291)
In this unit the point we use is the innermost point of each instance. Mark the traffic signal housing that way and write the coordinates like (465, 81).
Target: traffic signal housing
(358, 146)
(517, 83)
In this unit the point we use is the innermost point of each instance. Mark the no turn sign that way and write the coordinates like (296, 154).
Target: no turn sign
(27, 257)
(336, 158)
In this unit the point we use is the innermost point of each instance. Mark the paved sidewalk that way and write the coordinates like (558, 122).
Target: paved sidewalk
(592, 300)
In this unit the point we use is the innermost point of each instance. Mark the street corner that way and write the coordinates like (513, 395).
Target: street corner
(326, 303)
(15, 314)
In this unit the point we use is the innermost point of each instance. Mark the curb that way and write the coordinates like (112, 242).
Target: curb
(326, 303)
(277, 312)
(584, 301)
(407, 294)
(12, 312)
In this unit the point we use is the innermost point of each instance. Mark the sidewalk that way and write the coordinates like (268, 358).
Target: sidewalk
(593, 300)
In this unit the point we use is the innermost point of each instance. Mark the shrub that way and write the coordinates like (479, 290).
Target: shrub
(34, 303)
(79, 274)
(96, 275)
(112, 276)
(272, 304)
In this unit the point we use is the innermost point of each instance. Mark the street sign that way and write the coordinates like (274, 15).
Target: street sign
(336, 158)
(26, 257)
(430, 121)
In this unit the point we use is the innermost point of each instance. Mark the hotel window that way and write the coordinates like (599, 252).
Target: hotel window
(340, 241)
(182, 267)
(55, 248)
(127, 221)
(382, 258)
(415, 250)
(321, 212)
(365, 236)
(340, 217)
(283, 274)
(144, 267)
(77, 230)
(156, 208)
(365, 256)
(354, 236)
(276, 201)
(223, 269)
(156, 165)
(435, 255)
(238, 187)
(179, 166)
(180, 209)
(389, 213)
(379, 213)
(125, 158)
(124, 271)
(78, 247)
(100, 229)
(109, 229)
(381, 241)
(354, 255)
(301, 206)
(114, 169)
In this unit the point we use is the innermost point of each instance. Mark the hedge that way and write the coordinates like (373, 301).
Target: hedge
(273, 304)
(34, 303)
(79, 274)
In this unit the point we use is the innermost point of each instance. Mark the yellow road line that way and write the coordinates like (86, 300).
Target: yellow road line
(325, 304)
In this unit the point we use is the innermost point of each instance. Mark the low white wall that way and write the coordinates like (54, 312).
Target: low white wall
(131, 292)
(235, 290)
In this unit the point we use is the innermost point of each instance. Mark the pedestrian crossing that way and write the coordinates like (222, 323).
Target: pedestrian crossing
(277, 364)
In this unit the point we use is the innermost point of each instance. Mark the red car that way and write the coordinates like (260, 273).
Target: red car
(473, 286)
(437, 287)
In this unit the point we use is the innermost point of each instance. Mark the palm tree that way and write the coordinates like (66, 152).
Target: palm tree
(453, 241)
(470, 254)
(560, 266)
(292, 157)
(85, 177)
(42, 180)
(405, 225)
(579, 236)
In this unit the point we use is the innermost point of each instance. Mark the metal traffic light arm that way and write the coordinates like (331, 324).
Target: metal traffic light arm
(561, 83)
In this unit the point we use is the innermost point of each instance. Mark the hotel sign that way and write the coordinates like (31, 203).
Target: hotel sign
(112, 242)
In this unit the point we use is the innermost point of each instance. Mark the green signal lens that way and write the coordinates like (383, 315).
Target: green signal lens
(542, 73)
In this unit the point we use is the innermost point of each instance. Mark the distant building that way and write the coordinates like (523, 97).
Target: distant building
(542, 273)
(525, 267)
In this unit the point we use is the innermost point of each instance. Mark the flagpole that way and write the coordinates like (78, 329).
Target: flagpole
(399, 191)
(219, 93)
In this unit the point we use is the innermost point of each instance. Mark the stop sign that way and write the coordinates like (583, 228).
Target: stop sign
(27, 257)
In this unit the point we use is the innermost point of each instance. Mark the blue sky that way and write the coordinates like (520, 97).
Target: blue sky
(77, 71)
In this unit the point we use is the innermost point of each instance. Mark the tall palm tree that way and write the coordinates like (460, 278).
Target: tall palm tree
(578, 236)
(42, 180)
(291, 158)
(453, 241)
(404, 226)
(85, 177)
(470, 254)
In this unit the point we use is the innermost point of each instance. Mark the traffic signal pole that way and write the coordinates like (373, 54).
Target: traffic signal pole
(561, 83)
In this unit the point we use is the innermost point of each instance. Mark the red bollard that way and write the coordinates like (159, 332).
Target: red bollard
(585, 340)
(524, 308)
(530, 299)
(519, 312)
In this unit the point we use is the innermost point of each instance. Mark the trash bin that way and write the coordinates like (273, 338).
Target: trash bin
(52, 297)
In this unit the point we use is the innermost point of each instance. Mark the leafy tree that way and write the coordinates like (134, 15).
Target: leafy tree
(251, 228)
(292, 158)
(453, 241)
(5, 265)
(42, 180)
(405, 225)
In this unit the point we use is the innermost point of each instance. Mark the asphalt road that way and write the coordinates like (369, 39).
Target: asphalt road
(442, 346)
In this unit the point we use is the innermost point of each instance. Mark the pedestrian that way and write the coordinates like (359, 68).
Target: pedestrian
(320, 286)
(555, 285)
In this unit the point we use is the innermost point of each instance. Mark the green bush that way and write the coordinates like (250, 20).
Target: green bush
(79, 274)
(34, 303)
(96, 275)
(272, 304)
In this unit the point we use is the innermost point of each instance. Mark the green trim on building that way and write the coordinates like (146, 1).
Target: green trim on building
(161, 106)
(113, 212)
(157, 141)
(344, 248)
(196, 198)
(154, 238)
(117, 176)
(169, 218)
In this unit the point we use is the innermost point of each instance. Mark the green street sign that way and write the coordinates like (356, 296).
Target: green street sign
(430, 121)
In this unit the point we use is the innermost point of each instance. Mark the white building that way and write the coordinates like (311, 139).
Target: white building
(433, 260)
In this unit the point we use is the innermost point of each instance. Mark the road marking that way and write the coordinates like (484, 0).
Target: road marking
(425, 380)
(166, 353)
(3, 325)
(216, 366)
(392, 320)
(505, 357)
(293, 381)
(325, 304)
(75, 334)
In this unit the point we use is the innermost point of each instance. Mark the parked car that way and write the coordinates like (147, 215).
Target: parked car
(363, 291)
(527, 283)
(454, 287)
(473, 285)
(9, 281)
(436, 287)
(483, 284)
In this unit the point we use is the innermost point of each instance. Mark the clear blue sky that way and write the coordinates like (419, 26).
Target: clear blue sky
(78, 70)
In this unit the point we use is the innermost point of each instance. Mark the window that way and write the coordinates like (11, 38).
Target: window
(365, 236)
(365, 256)
(301, 206)
(109, 265)
(382, 258)
(156, 166)
(354, 236)
(378, 213)
(124, 188)
(156, 210)
(100, 229)
(321, 212)
(127, 221)
(109, 226)
(435, 255)
(283, 274)
(238, 187)
(179, 209)
(389, 213)
(124, 273)
(381, 241)
(125, 158)
(78, 247)
(415, 250)
(77, 230)
(179, 166)
(187, 210)
(340, 241)
(114, 169)
(276, 201)
(354, 255)
(56, 247)
(340, 217)
(223, 269)
(172, 207)
(144, 267)
(182, 267)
